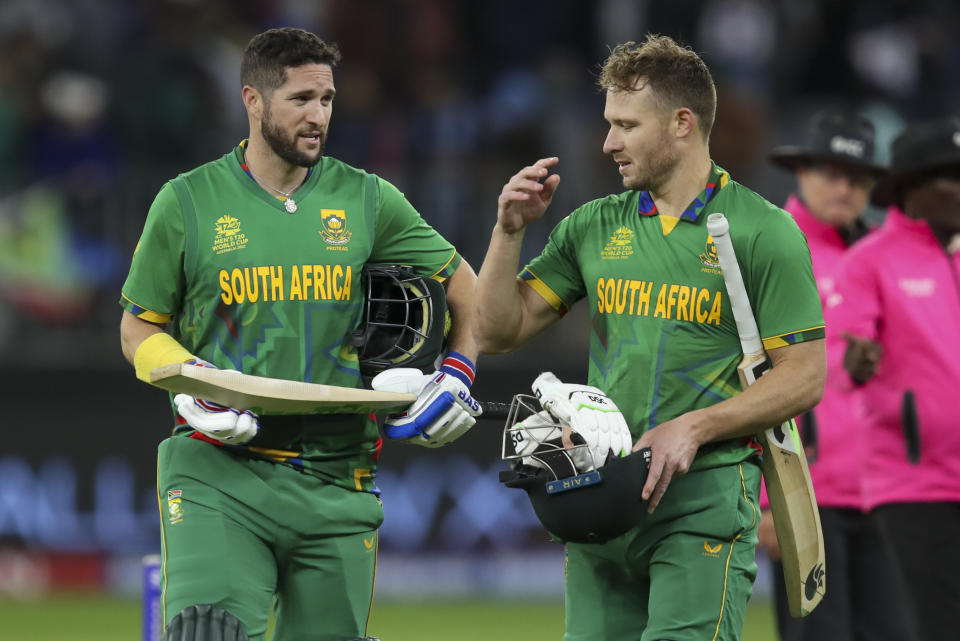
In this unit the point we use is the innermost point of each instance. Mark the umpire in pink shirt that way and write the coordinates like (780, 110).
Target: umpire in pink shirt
(835, 170)
(896, 320)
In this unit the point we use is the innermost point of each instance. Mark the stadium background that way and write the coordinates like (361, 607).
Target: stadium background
(101, 101)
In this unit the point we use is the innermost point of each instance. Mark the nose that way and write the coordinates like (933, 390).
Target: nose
(612, 142)
(318, 114)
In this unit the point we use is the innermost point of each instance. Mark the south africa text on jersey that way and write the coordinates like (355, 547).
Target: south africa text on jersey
(285, 282)
(624, 296)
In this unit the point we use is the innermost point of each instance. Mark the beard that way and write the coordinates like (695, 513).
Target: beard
(658, 167)
(286, 146)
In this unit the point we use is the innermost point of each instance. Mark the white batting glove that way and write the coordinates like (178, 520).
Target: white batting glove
(589, 412)
(539, 434)
(443, 411)
(216, 421)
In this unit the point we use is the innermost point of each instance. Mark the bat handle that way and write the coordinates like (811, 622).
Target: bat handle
(494, 410)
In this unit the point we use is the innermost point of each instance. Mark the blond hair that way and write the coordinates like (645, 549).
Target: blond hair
(677, 75)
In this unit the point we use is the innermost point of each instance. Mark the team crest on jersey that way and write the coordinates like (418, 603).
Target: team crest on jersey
(228, 237)
(334, 230)
(174, 507)
(619, 246)
(709, 258)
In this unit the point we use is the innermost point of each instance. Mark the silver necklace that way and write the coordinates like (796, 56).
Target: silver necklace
(288, 202)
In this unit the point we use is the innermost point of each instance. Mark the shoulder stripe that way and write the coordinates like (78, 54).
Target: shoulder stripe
(445, 272)
(146, 314)
(800, 336)
(543, 290)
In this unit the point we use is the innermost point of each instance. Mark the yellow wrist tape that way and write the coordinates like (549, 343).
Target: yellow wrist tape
(156, 351)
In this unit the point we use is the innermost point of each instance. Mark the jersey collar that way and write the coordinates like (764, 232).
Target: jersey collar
(313, 175)
(717, 180)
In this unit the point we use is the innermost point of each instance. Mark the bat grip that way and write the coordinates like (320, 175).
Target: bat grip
(494, 410)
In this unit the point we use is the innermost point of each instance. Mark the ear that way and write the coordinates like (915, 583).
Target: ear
(253, 101)
(684, 122)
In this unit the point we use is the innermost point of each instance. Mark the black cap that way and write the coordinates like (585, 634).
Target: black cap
(835, 137)
(922, 148)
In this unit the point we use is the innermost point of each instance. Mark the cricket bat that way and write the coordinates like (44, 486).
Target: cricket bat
(793, 503)
(263, 395)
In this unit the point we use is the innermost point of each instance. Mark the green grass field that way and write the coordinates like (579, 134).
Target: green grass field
(97, 618)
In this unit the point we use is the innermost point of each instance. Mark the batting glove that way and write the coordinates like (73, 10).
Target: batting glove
(444, 409)
(538, 440)
(222, 423)
(589, 412)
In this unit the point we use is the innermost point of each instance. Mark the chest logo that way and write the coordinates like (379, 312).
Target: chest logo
(917, 287)
(334, 230)
(228, 237)
(619, 246)
(709, 258)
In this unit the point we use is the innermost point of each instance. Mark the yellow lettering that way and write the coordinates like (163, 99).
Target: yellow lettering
(634, 285)
(253, 292)
(318, 279)
(715, 310)
(307, 276)
(296, 293)
(682, 299)
(263, 271)
(318, 283)
(227, 295)
(646, 288)
(337, 280)
(329, 284)
(347, 281)
(276, 282)
(608, 294)
(236, 282)
(600, 307)
(672, 299)
(621, 296)
(692, 315)
(660, 311)
(703, 296)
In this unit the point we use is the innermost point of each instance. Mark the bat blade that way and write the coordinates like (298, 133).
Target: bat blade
(264, 395)
(793, 502)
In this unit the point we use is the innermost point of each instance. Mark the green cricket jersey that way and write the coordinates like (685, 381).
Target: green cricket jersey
(663, 339)
(248, 286)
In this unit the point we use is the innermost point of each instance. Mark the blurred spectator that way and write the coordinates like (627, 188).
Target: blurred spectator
(896, 335)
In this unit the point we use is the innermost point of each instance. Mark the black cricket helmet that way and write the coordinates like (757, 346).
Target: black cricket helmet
(575, 501)
(404, 322)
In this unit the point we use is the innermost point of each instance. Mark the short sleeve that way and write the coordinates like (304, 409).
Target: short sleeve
(555, 274)
(782, 287)
(154, 285)
(403, 237)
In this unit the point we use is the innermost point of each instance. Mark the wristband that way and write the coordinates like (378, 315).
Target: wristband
(460, 367)
(156, 351)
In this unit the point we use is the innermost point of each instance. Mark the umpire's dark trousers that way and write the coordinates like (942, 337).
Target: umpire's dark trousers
(925, 539)
(864, 599)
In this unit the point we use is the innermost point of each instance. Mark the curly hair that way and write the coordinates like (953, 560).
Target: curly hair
(269, 54)
(677, 75)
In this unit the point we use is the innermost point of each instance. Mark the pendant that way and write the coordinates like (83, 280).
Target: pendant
(290, 205)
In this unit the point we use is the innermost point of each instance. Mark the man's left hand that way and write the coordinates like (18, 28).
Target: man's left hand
(443, 411)
(673, 446)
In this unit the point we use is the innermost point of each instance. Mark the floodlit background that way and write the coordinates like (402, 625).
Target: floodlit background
(101, 101)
